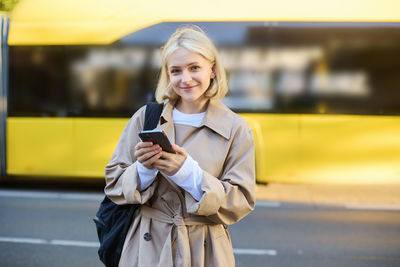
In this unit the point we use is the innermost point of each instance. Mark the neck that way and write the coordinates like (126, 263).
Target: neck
(192, 108)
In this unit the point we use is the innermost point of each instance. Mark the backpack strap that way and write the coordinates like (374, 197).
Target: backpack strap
(152, 115)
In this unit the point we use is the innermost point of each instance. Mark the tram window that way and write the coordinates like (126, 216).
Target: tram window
(37, 84)
(78, 81)
(285, 67)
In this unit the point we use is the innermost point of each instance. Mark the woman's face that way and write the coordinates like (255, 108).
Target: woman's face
(190, 75)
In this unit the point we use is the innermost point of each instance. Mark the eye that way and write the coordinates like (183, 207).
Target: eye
(195, 67)
(174, 71)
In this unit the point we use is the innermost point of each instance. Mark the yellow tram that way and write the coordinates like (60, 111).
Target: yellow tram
(319, 88)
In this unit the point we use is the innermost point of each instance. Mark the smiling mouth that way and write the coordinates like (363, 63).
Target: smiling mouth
(188, 87)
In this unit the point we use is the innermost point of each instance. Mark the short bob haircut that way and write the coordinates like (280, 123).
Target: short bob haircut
(194, 39)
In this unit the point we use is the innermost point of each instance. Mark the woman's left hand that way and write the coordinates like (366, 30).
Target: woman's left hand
(170, 163)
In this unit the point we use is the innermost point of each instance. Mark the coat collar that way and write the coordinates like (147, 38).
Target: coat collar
(218, 117)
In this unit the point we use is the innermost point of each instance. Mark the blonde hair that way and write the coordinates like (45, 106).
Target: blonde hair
(194, 39)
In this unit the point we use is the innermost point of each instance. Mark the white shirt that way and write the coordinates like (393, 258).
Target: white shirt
(187, 119)
(190, 174)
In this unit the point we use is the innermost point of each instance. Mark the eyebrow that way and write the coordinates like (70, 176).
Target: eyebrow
(192, 63)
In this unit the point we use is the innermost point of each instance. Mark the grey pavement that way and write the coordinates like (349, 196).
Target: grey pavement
(55, 228)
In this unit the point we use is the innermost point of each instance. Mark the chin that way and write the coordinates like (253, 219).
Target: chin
(189, 100)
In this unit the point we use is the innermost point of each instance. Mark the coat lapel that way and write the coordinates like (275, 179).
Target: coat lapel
(166, 124)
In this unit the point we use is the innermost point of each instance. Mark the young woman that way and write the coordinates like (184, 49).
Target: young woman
(189, 197)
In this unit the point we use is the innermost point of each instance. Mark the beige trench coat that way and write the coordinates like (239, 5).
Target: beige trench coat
(172, 228)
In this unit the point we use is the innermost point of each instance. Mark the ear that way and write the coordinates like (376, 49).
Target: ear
(213, 71)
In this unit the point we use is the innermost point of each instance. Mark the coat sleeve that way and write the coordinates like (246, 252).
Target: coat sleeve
(229, 198)
(121, 172)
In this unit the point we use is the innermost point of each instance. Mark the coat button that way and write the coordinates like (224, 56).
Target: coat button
(147, 236)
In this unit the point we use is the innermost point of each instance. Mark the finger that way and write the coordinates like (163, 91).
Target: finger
(149, 162)
(179, 149)
(143, 145)
(143, 156)
(144, 153)
(167, 156)
(148, 155)
(142, 150)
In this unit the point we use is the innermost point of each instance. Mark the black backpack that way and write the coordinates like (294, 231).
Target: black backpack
(112, 220)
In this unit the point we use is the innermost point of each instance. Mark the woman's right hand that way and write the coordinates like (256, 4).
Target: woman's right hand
(147, 153)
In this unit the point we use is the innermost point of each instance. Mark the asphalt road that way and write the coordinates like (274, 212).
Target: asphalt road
(44, 228)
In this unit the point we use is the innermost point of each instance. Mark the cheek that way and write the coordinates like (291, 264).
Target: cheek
(207, 75)
(173, 80)
(206, 78)
(175, 84)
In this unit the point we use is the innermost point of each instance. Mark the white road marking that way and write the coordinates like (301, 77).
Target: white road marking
(249, 251)
(74, 243)
(51, 195)
(23, 240)
(390, 207)
(89, 244)
(55, 242)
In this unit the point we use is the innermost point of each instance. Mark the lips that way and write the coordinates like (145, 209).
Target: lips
(188, 88)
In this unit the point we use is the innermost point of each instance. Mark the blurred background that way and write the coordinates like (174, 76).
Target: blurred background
(321, 95)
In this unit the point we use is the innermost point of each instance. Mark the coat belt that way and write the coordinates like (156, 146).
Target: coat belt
(177, 220)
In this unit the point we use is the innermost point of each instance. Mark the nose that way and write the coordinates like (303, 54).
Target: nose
(186, 77)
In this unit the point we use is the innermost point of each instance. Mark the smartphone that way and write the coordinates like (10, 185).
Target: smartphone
(157, 137)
